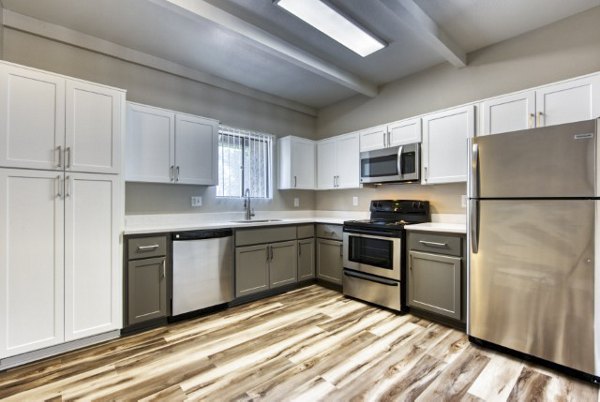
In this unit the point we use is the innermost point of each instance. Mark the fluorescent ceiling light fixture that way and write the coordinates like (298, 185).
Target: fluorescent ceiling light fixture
(333, 24)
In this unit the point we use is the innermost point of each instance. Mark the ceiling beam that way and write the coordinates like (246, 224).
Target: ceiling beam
(74, 38)
(270, 43)
(416, 19)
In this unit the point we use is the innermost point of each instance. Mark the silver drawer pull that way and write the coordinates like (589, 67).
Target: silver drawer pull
(150, 247)
(433, 243)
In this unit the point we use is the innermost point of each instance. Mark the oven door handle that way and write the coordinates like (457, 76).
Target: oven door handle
(370, 278)
(399, 161)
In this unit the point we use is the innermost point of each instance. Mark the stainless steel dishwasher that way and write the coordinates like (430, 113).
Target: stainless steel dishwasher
(203, 274)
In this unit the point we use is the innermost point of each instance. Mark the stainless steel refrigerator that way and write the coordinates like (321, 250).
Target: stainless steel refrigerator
(534, 280)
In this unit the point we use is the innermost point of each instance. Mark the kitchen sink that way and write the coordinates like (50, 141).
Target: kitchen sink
(257, 221)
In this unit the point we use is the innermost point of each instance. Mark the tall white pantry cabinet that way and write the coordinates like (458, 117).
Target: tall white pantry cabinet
(60, 209)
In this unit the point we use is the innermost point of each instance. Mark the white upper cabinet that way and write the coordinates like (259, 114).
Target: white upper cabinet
(297, 163)
(560, 103)
(31, 260)
(507, 113)
(444, 149)
(568, 101)
(92, 269)
(93, 128)
(373, 138)
(404, 132)
(391, 134)
(196, 149)
(163, 146)
(32, 118)
(53, 123)
(149, 150)
(338, 162)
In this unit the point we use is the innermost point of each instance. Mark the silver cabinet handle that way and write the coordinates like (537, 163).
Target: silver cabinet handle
(67, 186)
(164, 268)
(68, 157)
(531, 120)
(433, 243)
(177, 176)
(271, 248)
(149, 247)
(389, 139)
(171, 173)
(426, 172)
(59, 151)
(295, 181)
(384, 144)
(58, 192)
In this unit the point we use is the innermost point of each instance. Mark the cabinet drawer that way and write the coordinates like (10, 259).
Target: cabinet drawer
(145, 247)
(306, 231)
(327, 231)
(435, 243)
(245, 237)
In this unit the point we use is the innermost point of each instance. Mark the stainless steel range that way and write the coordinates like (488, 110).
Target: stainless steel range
(374, 262)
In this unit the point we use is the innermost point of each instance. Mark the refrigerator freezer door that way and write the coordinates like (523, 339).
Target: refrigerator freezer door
(531, 283)
(557, 161)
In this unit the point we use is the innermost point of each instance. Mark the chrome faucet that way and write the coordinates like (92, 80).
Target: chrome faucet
(249, 211)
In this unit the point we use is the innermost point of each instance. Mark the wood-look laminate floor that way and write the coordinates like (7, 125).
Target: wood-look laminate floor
(306, 345)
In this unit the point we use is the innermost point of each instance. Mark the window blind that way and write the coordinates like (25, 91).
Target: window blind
(245, 162)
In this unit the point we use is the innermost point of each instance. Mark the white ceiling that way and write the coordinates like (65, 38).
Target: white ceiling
(202, 44)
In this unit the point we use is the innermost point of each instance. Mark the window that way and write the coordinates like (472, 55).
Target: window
(245, 162)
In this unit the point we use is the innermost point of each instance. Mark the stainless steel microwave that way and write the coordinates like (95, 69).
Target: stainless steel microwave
(400, 163)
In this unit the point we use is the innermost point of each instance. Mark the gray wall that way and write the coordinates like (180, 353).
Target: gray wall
(156, 88)
(565, 49)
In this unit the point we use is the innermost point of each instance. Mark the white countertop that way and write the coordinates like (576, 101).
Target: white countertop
(439, 227)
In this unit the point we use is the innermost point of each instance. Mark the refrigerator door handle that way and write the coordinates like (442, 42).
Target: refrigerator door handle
(475, 171)
(474, 226)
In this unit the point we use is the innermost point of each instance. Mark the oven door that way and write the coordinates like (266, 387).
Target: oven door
(399, 163)
(376, 255)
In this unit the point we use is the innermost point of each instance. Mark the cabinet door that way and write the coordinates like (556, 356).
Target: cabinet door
(434, 283)
(31, 260)
(567, 102)
(32, 119)
(149, 144)
(373, 138)
(405, 132)
(146, 290)
(306, 259)
(283, 263)
(93, 128)
(445, 145)
(196, 150)
(508, 113)
(330, 262)
(303, 164)
(348, 161)
(326, 164)
(251, 269)
(92, 274)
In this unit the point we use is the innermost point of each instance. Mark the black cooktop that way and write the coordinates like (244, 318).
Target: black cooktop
(393, 215)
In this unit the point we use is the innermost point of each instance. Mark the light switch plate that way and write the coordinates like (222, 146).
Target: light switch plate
(355, 201)
(463, 200)
(196, 202)
(296, 202)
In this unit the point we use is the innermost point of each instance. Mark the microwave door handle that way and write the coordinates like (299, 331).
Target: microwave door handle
(399, 161)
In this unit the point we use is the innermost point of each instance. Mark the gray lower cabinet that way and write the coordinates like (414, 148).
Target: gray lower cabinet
(435, 274)
(306, 259)
(283, 264)
(251, 269)
(330, 262)
(146, 289)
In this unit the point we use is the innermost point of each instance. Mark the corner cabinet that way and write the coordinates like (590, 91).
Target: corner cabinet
(297, 163)
(444, 148)
(338, 162)
(164, 146)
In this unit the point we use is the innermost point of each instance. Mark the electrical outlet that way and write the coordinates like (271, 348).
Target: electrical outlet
(296, 202)
(355, 201)
(196, 202)
(463, 200)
